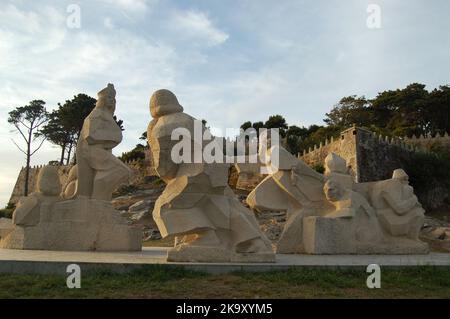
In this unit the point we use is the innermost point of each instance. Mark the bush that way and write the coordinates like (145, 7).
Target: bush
(7, 212)
(319, 168)
(429, 172)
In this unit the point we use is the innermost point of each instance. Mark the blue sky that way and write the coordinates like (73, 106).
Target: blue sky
(228, 61)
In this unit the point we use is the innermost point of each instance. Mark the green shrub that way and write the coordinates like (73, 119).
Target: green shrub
(319, 168)
(7, 211)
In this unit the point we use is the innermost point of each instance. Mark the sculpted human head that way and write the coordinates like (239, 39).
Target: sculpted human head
(333, 191)
(401, 176)
(48, 182)
(107, 98)
(164, 102)
(335, 164)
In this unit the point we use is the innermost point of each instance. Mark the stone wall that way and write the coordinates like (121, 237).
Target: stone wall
(344, 146)
(140, 169)
(373, 157)
(370, 157)
(430, 142)
(377, 156)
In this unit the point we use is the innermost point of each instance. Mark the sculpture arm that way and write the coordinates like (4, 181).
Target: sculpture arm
(400, 208)
(103, 131)
(369, 210)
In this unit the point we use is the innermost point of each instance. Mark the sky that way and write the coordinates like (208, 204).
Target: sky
(228, 61)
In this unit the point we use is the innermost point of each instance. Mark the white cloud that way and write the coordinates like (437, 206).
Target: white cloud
(108, 23)
(50, 62)
(196, 25)
(130, 5)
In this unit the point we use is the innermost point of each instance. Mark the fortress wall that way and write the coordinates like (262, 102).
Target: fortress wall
(139, 169)
(344, 146)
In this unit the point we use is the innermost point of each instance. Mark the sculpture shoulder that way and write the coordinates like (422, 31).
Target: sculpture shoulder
(100, 126)
(165, 125)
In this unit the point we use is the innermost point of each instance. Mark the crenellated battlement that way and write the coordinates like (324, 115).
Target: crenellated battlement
(410, 144)
(357, 144)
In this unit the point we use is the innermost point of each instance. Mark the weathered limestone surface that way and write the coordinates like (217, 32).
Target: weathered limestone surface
(77, 225)
(330, 214)
(6, 226)
(197, 206)
(249, 175)
(80, 216)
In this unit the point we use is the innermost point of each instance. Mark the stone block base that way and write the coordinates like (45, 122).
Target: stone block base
(76, 225)
(185, 253)
(334, 236)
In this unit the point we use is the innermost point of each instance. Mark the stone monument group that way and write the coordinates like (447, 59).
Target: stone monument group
(327, 213)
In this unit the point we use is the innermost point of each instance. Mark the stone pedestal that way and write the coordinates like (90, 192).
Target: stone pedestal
(328, 236)
(334, 236)
(76, 225)
(186, 253)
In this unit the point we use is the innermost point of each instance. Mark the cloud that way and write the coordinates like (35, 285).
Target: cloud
(196, 25)
(53, 63)
(130, 5)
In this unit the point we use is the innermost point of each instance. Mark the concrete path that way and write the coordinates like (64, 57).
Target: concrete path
(34, 261)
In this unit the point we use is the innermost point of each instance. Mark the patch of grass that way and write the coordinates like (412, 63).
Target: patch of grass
(173, 282)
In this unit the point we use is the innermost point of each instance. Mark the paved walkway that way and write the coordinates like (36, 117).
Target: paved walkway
(34, 261)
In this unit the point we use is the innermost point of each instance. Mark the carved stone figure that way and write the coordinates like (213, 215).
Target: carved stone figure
(294, 188)
(79, 217)
(399, 210)
(197, 207)
(27, 212)
(330, 214)
(100, 172)
(70, 187)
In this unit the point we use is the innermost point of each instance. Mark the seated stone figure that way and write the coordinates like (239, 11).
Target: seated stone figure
(294, 188)
(27, 212)
(348, 218)
(99, 171)
(197, 207)
(346, 201)
(399, 210)
(81, 217)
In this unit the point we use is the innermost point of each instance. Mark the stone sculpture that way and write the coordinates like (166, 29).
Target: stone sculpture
(6, 226)
(197, 207)
(79, 217)
(99, 172)
(330, 214)
(70, 187)
(399, 210)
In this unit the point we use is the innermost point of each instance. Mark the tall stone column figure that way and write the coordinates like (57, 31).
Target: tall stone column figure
(99, 171)
(197, 207)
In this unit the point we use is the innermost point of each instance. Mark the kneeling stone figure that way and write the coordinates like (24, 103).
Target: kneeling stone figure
(197, 207)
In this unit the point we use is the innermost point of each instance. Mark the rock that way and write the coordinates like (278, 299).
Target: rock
(151, 234)
(142, 217)
(141, 205)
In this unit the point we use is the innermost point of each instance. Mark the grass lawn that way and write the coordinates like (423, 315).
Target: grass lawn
(158, 282)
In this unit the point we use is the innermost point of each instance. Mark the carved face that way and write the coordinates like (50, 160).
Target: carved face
(332, 191)
(111, 104)
(401, 176)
